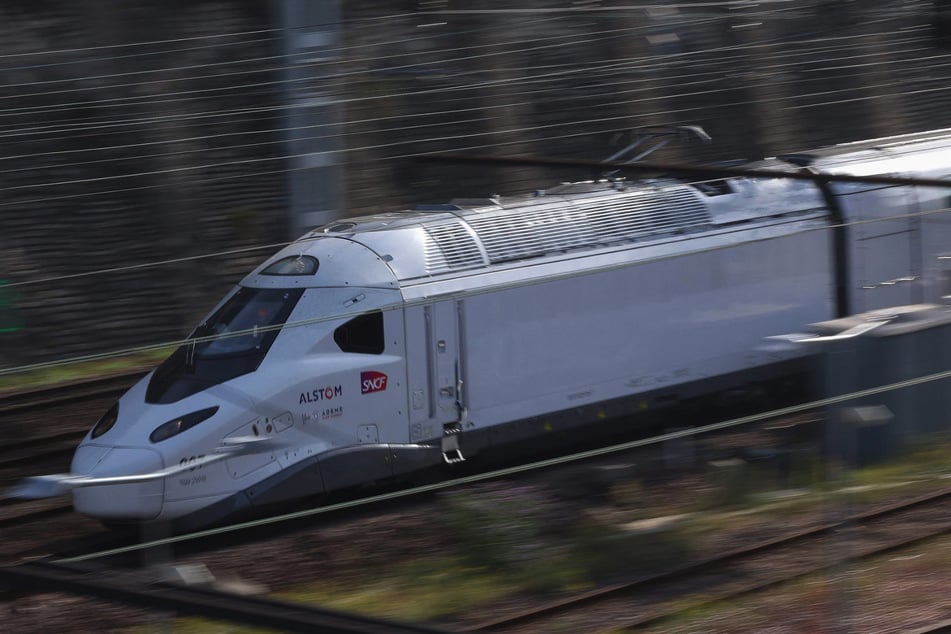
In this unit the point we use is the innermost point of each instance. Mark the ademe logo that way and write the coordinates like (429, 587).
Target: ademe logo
(372, 382)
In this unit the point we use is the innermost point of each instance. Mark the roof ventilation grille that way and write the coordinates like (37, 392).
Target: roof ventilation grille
(450, 247)
(537, 230)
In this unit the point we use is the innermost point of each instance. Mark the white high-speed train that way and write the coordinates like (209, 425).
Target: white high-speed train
(381, 345)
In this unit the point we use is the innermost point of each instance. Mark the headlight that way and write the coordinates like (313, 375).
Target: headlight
(106, 422)
(177, 426)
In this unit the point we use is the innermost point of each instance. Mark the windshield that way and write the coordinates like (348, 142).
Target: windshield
(230, 343)
(248, 321)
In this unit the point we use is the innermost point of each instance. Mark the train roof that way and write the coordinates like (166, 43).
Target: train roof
(470, 234)
(466, 235)
(924, 154)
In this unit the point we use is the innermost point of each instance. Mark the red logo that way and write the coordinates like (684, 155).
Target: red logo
(372, 382)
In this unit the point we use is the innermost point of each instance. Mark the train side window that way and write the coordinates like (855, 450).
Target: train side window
(363, 334)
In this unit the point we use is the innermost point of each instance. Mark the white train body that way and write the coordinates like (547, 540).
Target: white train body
(428, 336)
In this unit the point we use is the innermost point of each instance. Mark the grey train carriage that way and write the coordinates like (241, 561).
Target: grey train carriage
(385, 344)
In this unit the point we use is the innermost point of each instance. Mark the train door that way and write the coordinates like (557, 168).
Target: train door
(934, 218)
(435, 375)
(884, 247)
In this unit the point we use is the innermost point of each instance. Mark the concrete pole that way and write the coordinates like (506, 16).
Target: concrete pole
(310, 44)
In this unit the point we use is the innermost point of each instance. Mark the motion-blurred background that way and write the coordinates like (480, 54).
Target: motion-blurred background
(152, 152)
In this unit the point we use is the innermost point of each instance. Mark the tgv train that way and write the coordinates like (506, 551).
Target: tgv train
(381, 345)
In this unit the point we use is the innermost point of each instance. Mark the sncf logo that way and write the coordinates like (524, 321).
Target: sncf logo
(372, 382)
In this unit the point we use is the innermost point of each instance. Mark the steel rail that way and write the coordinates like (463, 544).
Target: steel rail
(199, 601)
(35, 515)
(942, 627)
(693, 568)
(40, 450)
(13, 402)
(661, 615)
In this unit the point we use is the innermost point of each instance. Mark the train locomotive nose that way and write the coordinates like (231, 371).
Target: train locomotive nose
(138, 501)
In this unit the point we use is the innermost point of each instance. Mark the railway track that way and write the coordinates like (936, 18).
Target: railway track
(46, 449)
(646, 602)
(17, 512)
(29, 457)
(19, 403)
(653, 599)
(44, 426)
(162, 595)
(552, 616)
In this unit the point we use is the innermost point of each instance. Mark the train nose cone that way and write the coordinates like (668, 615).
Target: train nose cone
(118, 502)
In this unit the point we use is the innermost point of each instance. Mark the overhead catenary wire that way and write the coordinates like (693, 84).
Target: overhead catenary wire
(522, 48)
(248, 161)
(219, 114)
(608, 127)
(639, 9)
(625, 65)
(103, 47)
(286, 129)
(346, 150)
(287, 58)
(496, 106)
(337, 76)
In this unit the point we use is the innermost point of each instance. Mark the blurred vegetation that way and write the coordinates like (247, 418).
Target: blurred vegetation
(925, 459)
(547, 544)
(82, 370)
(507, 542)
(429, 587)
(512, 543)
